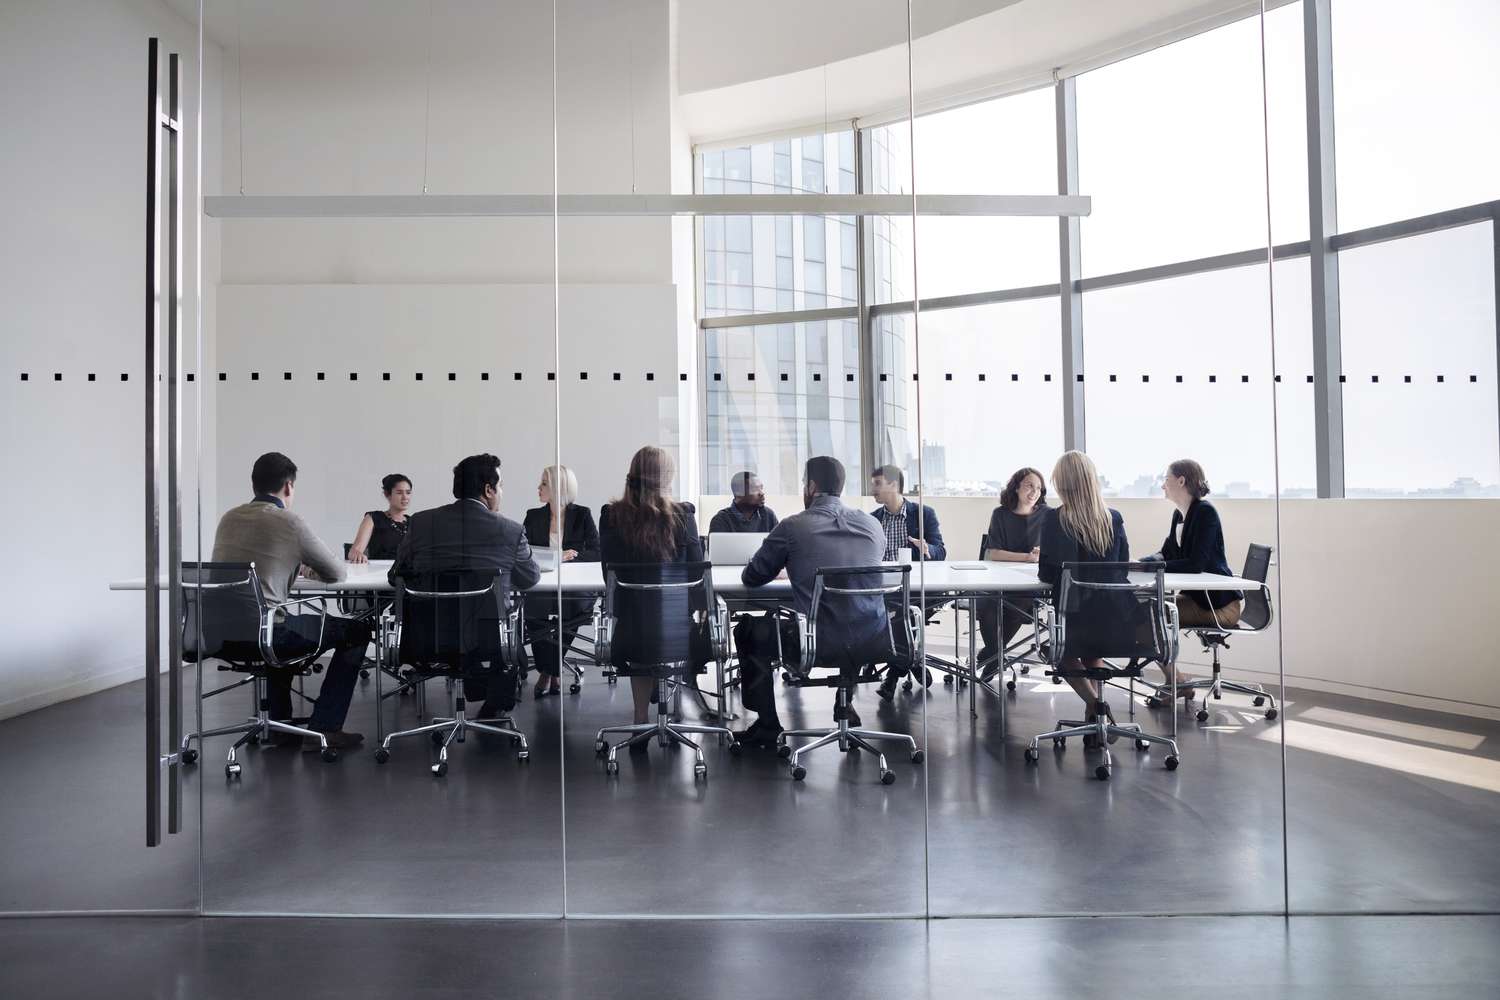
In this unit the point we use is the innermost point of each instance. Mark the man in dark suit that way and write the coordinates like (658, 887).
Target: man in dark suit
(470, 534)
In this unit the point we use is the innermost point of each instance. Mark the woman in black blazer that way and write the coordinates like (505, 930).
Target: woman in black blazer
(558, 523)
(1195, 544)
(1083, 530)
(646, 526)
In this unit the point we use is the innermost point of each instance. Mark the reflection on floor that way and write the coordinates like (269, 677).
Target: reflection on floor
(1235, 958)
(1391, 809)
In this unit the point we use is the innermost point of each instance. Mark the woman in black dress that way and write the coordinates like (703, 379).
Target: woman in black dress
(561, 525)
(647, 526)
(1015, 535)
(381, 531)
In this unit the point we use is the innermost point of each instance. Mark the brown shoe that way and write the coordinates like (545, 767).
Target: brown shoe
(337, 740)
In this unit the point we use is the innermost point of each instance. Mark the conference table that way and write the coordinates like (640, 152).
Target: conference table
(961, 582)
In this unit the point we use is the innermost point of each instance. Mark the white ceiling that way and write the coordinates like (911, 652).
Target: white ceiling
(753, 67)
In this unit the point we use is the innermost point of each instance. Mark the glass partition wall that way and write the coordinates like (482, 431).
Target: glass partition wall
(377, 352)
(731, 343)
(89, 387)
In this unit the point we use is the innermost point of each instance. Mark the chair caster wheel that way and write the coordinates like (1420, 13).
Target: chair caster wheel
(231, 770)
(917, 756)
(1171, 762)
(600, 746)
(1056, 680)
(1153, 703)
(611, 767)
(1010, 685)
(1025, 670)
(947, 680)
(1059, 743)
(330, 755)
(798, 772)
(1143, 745)
(735, 749)
(440, 768)
(906, 686)
(1102, 772)
(574, 688)
(364, 675)
(522, 756)
(700, 771)
(783, 750)
(887, 777)
(611, 681)
(1218, 696)
(190, 756)
(1257, 701)
(382, 755)
(1270, 714)
(1032, 755)
(786, 677)
(1202, 715)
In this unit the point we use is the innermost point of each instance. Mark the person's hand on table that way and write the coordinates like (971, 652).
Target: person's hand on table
(782, 575)
(357, 555)
(304, 570)
(1035, 555)
(568, 555)
(921, 545)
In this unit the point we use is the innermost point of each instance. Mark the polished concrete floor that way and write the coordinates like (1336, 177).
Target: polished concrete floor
(1391, 810)
(1327, 958)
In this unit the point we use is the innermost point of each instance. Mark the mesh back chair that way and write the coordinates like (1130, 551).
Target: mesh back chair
(577, 614)
(455, 624)
(1256, 616)
(226, 618)
(842, 598)
(1098, 612)
(660, 620)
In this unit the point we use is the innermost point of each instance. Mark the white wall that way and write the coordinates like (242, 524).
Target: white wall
(1374, 602)
(341, 106)
(72, 190)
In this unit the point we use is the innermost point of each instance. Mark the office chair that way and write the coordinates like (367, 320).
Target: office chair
(1108, 616)
(835, 598)
(1027, 646)
(674, 624)
(226, 618)
(1255, 617)
(456, 620)
(548, 626)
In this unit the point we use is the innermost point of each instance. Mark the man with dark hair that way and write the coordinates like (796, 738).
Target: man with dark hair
(267, 533)
(827, 533)
(748, 511)
(899, 520)
(471, 534)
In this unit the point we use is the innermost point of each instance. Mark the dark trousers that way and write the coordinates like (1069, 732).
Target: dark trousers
(755, 645)
(298, 636)
(1000, 620)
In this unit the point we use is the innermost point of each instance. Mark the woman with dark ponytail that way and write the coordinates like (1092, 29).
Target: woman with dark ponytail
(381, 531)
(1195, 544)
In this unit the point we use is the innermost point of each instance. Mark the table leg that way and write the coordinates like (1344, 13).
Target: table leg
(973, 603)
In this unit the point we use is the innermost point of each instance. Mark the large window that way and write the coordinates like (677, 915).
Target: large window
(1416, 127)
(1419, 360)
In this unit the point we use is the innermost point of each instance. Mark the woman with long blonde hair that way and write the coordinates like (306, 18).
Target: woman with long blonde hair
(567, 527)
(1081, 529)
(645, 525)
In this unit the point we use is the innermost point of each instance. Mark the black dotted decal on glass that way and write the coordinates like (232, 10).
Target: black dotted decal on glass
(452, 377)
(286, 376)
(91, 376)
(354, 376)
(785, 377)
(255, 376)
(617, 376)
(385, 376)
(583, 376)
(419, 376)
(322, 376)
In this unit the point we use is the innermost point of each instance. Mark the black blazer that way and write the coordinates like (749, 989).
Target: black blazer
(578, 533)
(687, 546)
(1201, 551)
(464, 535)
(1104, 625)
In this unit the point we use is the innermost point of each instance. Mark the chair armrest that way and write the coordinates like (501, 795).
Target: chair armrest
(809, 652)
(268, 632)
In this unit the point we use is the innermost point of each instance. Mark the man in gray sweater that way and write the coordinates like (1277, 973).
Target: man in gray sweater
(267, 533)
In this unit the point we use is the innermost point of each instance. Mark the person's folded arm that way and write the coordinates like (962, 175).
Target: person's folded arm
(768, 561)
(588, 538)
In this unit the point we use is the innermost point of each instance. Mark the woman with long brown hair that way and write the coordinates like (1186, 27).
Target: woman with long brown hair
(645, 525)
(1082, 529)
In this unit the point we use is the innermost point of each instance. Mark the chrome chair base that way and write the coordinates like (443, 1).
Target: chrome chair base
(449, 730)
(1215, 685)
(254, 730)
(847, 739)
(1102, 729)
(666, 733)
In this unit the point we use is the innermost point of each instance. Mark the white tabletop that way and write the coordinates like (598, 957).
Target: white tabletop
(938, 577)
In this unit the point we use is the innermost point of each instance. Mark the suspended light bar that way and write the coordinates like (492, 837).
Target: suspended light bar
(417, 206)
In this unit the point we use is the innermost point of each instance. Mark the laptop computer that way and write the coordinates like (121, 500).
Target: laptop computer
(733, 548)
